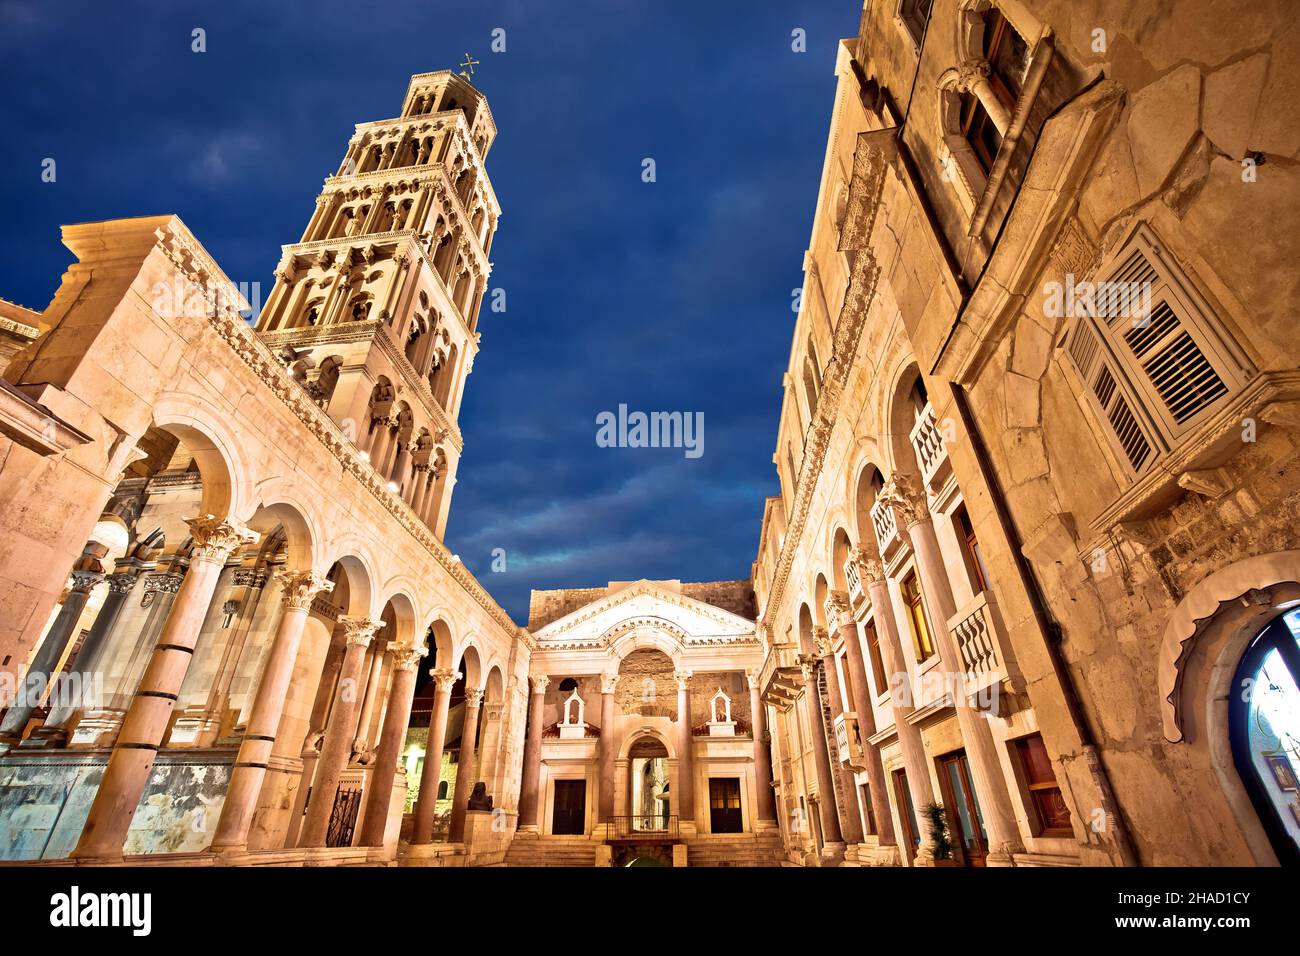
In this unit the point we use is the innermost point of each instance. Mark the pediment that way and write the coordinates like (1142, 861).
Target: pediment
(646, 605)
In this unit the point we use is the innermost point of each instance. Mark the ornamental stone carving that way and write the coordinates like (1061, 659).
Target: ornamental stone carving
(444, 678)
(301, 587)
(215, 539)
(608, 682)
(870, 568)
(406, 657)
(838, 614)
(822, 641)
(359, 630)
(902, 494)
(122, 582)
(473, 699)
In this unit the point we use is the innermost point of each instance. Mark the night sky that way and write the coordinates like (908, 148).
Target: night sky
(665, 296)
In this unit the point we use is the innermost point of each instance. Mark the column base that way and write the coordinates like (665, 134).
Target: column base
(832, 854)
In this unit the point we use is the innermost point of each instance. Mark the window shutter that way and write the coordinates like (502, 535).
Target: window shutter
(1096, 373)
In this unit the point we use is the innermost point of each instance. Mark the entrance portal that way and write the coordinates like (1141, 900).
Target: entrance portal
(570, 812)
(649, 808)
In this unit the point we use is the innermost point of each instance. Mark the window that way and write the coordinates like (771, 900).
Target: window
(915, 14)
(868, 811)
(873, 652)
(1007, 55)
(971, 550)
(1152, 358)
(1053, 816)
(922, 640)
(978, 129)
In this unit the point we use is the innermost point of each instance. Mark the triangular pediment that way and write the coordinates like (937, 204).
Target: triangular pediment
(647, 604)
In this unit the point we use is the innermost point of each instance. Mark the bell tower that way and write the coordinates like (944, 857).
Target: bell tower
(375, 309)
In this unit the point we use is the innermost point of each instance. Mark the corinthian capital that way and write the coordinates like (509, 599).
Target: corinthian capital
(869, 566)
(473, 698)
(683, 679)
(301, 588)
(838, 614)
(822, 641)
(444, 678)
(608, 682)
(902, 494)
(359, 630)
(216, 538)
(405, 656)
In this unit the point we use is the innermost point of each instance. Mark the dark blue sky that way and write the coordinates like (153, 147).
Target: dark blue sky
(673, 295)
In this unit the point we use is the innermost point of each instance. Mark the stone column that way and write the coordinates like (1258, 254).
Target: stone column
(87, 664)
(851, 823)
(841, 619)
(337, 746)
(605, 808)
(400, 697)
(831, 832)
(40, 675)
(426, 807)
(912, 511)
(373, 685)
(685, 751)
(464, 766)
(298, 590)
(917, 765)
(765, 811)
(974, 77)
(148, 716)
(532, 767)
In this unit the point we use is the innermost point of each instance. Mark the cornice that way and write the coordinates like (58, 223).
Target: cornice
(582, 615)
(871, 158)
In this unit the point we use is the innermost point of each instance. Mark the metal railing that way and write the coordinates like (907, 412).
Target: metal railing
(643, 826)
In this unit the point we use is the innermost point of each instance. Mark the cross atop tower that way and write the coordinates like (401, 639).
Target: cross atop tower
(469, 65)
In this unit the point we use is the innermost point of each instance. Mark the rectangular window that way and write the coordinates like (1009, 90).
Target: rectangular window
(922, 640)
(1008, 57)
(971, 550)
(868, 812)
(1152, 358)
(873, 653)
(978, 129)
(914, 14)
(1053, 816)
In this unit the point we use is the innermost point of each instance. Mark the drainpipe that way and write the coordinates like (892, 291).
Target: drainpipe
(1050, 632)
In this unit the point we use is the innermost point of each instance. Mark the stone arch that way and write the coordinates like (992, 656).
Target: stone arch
(440, 638)
(404, 616)
(494, 688)
(869, 479)
(841, 546)
(644, 732)
(222, 466)
(657, 633)
(358, 572)
(1232, 599)
(804, 628)
(900, 416)
(300, 529)
(470, 664)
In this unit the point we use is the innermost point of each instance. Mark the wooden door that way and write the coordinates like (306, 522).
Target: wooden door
(570, 814)
(724, 805)
(963, 810)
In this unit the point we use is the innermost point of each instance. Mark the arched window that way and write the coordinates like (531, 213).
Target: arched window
(1264, 725)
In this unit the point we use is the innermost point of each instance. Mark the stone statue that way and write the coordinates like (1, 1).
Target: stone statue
(479, 798)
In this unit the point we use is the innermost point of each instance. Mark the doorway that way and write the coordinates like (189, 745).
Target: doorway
(648, 794)
(724, 805)
(570, 813)
(1264, 727)
(906, 816)
(963, 809)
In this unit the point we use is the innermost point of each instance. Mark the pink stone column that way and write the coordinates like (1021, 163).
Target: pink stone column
(391, 739)
(299, 588)
(851, 822)
(765, 812)
(373, 689)
(465, 766)
(426, 807)
(915, 761)
(337, 746)
(605, 808)
(841, 619)
(532, 768)
(911, 509)
(831, 832)
(685, 751)
(150, 712)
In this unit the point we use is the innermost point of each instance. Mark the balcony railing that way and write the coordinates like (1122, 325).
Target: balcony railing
(856, 595)
(931, 449)
(643, 827)
(848, 740)
(986, 659)
(886, 526)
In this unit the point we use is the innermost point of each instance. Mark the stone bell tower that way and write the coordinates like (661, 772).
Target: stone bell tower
(375, 309)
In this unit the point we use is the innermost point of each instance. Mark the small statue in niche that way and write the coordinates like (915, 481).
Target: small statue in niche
(479, 798)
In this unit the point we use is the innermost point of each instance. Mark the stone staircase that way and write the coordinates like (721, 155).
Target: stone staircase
(530, 849)
(735, 849)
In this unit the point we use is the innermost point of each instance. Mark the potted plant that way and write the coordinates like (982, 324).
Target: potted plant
(940, 844)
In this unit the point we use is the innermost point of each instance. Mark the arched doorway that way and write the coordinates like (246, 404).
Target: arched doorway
(648, 787)
(1264, 727)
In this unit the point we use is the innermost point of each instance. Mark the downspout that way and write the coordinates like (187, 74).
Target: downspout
(1050, 632)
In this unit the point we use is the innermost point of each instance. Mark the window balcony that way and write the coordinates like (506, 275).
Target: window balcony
(848, 742)
(886, 526)
(857, 596)
(988, 664)
(931, 449)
